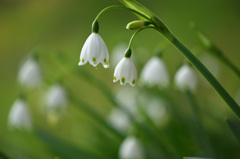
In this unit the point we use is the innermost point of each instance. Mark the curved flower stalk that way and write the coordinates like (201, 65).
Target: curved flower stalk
(94, 50)
(19, 116)
(131, 148)
(119, 120)
(125, 72)
(159, 26)
(56, 102)
(154, 73)
(185, 79)
(30, 73)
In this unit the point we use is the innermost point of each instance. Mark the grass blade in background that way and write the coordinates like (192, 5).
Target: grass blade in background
(3, 156)
(62, 148)
(234, 124)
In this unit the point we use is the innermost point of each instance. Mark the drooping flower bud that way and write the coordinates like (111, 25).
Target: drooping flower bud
(137, 24)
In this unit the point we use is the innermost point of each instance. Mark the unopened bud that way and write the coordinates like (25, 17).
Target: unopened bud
(137, 24)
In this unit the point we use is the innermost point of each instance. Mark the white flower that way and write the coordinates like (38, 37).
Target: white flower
(94, 51)
(30, 74)
(131, 148)
(154, 73)
(19, 116)
(117, 53)
(125, 72)
(119, 120)
(56, 98)
(185, 78)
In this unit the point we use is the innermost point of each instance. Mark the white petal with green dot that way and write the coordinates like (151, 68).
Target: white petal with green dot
(94, 51)
(125, 72)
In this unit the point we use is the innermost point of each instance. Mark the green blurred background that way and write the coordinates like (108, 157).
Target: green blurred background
(54, 26)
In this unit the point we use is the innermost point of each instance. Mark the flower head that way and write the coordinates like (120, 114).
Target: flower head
(154, 73)
(131, 148)
(19, 116)
(125, 72)
(56, 103)
(94, 51)
(185, 78)
(29, 73)
(119, 120)
(56, 97)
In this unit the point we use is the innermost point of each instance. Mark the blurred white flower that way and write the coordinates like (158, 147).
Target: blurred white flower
(212, 63)
(119, 120)
(155, 73)
(19, 116)
(56, 98)
(185, 78)
(94, 51)
(155, 108)
(126, 96)
(131, 148)
(30, 73)
(56, 103)
(117, 53)
(125, 72)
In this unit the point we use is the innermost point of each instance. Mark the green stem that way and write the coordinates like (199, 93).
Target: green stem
(199, 126)
(3, 156)
(131, 40)
(120, 7)
(230, 64)
(204, 71)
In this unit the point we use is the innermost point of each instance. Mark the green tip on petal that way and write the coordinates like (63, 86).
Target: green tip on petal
(133, 82)
(114, 78)
(123, 80)
(105, 61)
(93, 59)
(82, 60)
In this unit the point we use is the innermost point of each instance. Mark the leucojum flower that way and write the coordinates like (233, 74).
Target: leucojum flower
(125, 70)
(19, 116)
(94, 49)
(131, 148)
(56, 103)
(185, 78)
(154, 73)
(30, 73)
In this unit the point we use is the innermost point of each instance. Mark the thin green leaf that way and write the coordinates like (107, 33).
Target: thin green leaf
(3, 156)
(235, 127)
(62, 148)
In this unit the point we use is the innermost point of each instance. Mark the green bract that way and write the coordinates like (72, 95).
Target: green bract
(138, 8)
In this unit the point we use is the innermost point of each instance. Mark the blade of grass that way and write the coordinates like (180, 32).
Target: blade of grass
(62, 148)
(235, 127)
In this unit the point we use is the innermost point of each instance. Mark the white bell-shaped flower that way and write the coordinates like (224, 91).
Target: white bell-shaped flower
(30, 73)
(185, 78)
(56, 98)
(131, 148)
(56, 103)
(125, 72)
(19, 116)
(119, 120)
(116, 53)
(155, 73)
(94, 51)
